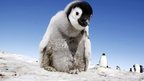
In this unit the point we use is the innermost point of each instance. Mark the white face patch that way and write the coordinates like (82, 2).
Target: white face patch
(74, 16)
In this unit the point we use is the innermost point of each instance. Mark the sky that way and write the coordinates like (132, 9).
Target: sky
(116, 28)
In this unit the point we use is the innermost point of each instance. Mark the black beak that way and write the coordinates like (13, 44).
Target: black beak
(83, 21)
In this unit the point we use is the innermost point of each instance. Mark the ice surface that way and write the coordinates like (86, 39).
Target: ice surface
(14, 67)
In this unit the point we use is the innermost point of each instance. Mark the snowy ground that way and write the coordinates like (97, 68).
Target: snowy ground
(15, 67)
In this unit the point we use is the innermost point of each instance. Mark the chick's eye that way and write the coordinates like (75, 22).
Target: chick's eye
(77, 13)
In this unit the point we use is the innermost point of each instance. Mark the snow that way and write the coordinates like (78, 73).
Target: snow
(14, 67)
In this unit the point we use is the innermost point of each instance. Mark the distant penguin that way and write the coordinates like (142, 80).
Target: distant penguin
(103, 61)
(136, 68)
(118, 68)
(131, 70)
(141, 69)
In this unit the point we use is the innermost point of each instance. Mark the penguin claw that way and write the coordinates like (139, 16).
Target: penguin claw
(49, 68)
(76, 71)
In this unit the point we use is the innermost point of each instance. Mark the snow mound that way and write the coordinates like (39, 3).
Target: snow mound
(15, 67)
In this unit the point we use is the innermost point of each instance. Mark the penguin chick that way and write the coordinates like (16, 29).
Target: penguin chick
(66, 45)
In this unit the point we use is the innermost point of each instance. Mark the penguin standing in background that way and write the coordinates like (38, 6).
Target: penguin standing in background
(66, 45)
(132, 69)
(137, 68)
(141, 69)
(103, 61)
(118, 68)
